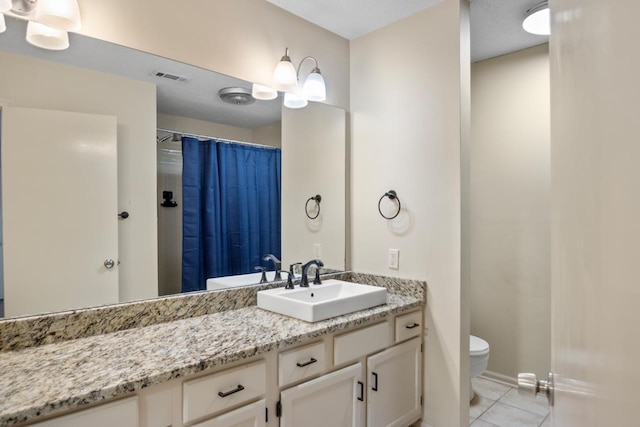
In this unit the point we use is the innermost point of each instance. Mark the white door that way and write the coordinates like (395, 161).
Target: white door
(335, 400)
(59, 210)
(394, 386)
(595, 170)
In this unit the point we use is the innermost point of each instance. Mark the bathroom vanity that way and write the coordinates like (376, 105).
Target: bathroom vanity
(242, 366)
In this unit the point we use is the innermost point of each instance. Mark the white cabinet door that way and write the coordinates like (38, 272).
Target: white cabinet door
(59, 210)
(335, 400)
(121, 413)
(394, 390)
(252, 415)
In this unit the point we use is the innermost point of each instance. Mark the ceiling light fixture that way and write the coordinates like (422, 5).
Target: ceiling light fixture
(236, 96)
(286, 79)
(49, 20)
(538, 19)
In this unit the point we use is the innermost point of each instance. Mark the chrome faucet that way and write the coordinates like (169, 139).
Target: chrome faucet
(304, 281)
(276, 263)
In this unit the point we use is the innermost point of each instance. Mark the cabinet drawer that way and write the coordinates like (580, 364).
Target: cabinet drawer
(409, 326)
(122, 412)
(213, 393)
(353, 345)
(300, 363)
(252, 415)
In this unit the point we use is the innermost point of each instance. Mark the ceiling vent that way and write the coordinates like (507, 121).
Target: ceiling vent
(236, 95)
(174, 77)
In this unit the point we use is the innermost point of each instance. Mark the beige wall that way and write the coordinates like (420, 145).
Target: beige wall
(42, 84)
(406, 128)
(510, 212)
(240, 38)
(313, 162)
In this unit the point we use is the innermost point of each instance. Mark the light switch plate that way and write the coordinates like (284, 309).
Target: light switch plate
(394, 259)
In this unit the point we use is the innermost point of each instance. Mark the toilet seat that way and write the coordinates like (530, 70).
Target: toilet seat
(478, 346)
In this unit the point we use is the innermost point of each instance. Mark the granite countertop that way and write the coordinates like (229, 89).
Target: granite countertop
(44, 380)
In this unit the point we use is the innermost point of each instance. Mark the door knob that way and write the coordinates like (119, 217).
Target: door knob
(529, 386)
(109, 263)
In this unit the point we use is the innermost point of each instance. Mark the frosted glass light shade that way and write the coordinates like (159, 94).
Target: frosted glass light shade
(3, 25)
(60, 14)
(5, 5)
(294, 100)
(538, 20)
(314, 88)
(264, 93)
(46, 37)
(284, 76)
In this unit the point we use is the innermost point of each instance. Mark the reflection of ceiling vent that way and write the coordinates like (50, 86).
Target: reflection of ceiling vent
(236, 95)
(170, 76)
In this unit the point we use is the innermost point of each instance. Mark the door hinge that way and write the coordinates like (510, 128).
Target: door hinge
(421, 401)
(278, 409)
(266, 415)
(421, 347)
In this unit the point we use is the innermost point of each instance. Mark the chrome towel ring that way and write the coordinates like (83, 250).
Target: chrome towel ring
(392, 195)
(317, 198)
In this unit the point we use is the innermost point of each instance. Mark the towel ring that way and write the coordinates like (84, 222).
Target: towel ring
(317, 198)
(392, 195)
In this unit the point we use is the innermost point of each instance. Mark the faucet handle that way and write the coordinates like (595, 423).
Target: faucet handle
(263, 277)
(293, 265)
(317, 280)
(289, 284)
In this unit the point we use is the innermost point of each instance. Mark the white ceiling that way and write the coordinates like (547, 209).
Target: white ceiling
(495, 30)
(496, 25)
(353, 18)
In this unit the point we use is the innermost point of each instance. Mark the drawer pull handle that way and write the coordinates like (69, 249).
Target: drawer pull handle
(412, 325)
(374, 387)
(361, 397)
(302, 365)
(230, 392)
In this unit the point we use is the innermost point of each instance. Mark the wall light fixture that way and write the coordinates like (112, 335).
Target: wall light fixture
(286, 79)
(49, 20)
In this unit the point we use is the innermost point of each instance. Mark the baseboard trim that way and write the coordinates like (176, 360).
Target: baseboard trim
(499, 378)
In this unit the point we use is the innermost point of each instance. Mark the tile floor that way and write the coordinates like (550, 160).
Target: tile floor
(500, 405)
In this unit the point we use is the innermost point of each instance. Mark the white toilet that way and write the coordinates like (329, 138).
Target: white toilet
(479, 357)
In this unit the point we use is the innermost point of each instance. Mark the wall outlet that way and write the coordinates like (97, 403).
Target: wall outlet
(394, 258)
(317, 250)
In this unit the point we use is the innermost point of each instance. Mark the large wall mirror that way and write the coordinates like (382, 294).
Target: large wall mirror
(155, 102)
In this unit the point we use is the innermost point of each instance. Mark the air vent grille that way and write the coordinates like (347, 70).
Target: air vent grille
(170, 76)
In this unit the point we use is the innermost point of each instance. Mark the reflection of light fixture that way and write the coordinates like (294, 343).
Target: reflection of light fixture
(49, 20)
(46, 37)
(538, 19)
(286, 79)
(295, 99)
(264, 93)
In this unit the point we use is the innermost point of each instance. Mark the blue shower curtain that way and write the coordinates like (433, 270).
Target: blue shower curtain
(231, 209)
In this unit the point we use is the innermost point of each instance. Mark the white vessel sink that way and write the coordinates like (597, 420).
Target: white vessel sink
(318, 302)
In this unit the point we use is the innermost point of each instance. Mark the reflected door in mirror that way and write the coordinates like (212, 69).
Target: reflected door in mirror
(59, 231)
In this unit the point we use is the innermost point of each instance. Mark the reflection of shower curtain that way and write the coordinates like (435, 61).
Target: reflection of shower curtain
(231, 209)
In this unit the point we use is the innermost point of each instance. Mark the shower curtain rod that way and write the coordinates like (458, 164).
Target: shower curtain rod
(229, 141)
